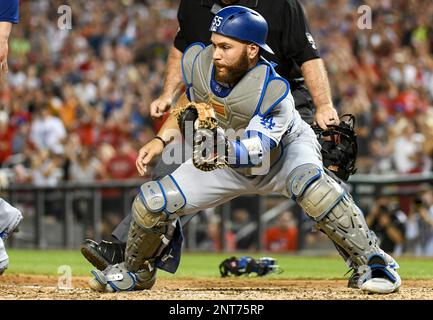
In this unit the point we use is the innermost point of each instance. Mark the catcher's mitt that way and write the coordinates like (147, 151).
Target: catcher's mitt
(246, 265)
(208, 140)
(339, 147)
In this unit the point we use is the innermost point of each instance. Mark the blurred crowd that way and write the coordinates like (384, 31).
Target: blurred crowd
(399, 231)
(404, 231)
(75, 105)
(381, 71)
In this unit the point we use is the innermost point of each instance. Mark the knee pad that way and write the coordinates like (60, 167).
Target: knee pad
(335, 212)
(157, 202)
(153, 222)
(315, 191)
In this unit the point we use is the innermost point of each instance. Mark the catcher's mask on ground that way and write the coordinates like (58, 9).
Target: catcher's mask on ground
(339, 146)
(245, 265)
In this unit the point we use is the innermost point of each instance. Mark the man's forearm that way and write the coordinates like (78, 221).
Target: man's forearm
(173, 74)
(317, 81)
(9, 14)
(5, 30)
(170, 129)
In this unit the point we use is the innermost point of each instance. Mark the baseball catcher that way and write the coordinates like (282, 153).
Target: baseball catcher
(253, 141)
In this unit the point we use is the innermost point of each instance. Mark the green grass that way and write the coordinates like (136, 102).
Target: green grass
(47, 262)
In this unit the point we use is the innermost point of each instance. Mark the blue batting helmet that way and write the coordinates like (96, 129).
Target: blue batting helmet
(241, 23)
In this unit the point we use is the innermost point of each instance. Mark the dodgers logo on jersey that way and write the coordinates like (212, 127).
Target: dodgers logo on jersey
(268, 122)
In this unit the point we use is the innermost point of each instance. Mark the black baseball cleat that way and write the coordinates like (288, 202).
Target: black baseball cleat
(104, 253)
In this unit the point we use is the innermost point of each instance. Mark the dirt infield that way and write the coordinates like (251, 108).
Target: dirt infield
(46, 288)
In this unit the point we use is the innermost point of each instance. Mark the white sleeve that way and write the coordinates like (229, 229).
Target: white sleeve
(277, 122)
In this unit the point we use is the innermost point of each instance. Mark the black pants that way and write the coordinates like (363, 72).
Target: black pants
(305, 107)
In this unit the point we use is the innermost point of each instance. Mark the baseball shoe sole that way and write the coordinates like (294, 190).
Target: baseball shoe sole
(382, 278)
(90, 252)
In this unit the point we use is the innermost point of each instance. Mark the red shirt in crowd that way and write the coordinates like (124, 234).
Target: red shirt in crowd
(16, 118)
(86, 132)
(6, 137)
(111, 135)
(409, 103)
(122, 166)
(281, 240)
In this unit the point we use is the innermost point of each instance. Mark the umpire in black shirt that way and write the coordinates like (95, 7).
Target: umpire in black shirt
(298, 61)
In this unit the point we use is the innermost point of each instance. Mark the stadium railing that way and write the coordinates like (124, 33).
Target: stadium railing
(362, 186)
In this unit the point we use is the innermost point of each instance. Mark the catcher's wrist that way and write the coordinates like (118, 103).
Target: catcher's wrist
(164, 143)
(167, 98)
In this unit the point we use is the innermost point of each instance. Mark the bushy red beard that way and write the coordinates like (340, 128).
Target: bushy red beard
(232, 74)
